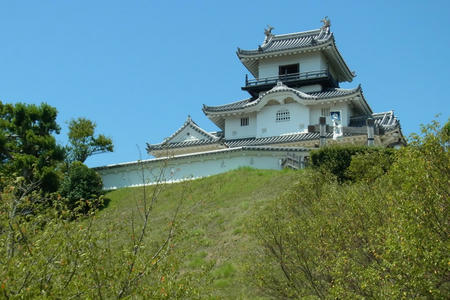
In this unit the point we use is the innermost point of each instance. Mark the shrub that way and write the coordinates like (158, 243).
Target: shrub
(337, 159)
(82, 188)
(381, 239)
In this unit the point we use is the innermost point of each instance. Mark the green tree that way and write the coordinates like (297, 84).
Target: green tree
(81, 188)
(27, 145)
(84, 143)
(384, 235)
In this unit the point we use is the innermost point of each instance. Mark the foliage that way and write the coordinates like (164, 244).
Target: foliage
(27, 146)
(212, 242)
(336, 159)
(81, 188)
(370, 165)
(45, 255)
(384, 237)
(83, 142)
(202, 260)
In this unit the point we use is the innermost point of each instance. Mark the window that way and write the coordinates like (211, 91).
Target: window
(288, 69)
(335, 115)
(283, 115)
(244, 121)
(325, 112)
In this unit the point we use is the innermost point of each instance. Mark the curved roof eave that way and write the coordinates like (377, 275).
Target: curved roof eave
(349, 75)
(304, 98)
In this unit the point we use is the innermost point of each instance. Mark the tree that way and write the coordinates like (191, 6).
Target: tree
(27, 146)
(81, 188)
(83, 142)
(383, 235)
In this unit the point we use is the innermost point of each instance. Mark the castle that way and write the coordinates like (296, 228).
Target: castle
(294, 104)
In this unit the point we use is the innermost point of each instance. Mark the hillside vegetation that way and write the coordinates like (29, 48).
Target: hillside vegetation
(211, 240)
(375, 226)
(204, 258)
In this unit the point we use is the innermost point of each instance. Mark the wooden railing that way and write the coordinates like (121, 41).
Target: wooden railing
(293, 161)
(287, 78)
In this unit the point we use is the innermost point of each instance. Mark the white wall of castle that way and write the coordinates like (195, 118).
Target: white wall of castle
(189, 167)
(234, 130)
(307, 62)
(267, 125)
(264, 122)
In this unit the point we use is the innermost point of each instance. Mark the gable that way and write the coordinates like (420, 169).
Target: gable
(188, 133)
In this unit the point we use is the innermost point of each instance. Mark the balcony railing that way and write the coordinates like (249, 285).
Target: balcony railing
(287, 78)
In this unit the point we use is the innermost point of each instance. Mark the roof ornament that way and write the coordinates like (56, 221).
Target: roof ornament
(268, 33)
(326, 24)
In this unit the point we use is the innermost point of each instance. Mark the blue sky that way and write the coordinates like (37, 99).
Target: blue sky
(138, 68)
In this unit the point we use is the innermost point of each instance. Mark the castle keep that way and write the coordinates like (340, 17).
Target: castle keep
(294, 104)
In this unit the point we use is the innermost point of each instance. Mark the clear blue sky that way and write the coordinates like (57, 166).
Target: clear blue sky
(138, 68)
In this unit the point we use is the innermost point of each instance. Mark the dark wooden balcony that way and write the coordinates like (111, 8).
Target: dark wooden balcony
(324, 77)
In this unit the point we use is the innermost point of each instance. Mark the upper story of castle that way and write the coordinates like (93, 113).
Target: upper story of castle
(308, 61)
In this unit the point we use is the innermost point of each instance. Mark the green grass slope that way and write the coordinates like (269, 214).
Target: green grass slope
(211, 232)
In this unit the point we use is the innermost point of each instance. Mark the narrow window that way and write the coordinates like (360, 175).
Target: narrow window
(325, 112)
(283, 115)
(288, 69)
(244, 121)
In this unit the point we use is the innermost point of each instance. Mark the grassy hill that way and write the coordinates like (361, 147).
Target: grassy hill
(211, 233)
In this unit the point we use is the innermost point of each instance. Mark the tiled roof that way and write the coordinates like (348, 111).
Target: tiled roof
(189, 143)
(386, 120)
(326, 94)
(230, 106)
(291, 41)
(319, 39)
(288, 138)
(334, 92)
(209, 138)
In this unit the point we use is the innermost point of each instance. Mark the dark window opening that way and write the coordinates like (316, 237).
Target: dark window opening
(288, 69)
(244, 121)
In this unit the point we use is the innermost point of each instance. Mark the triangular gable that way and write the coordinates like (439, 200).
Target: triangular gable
(190, 131)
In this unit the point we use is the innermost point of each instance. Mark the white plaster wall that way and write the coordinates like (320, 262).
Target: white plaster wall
(183, 135)
(298, 122)
(308, 62)
(234, 130)
(189, 167)
(316, 113)
(310, 88)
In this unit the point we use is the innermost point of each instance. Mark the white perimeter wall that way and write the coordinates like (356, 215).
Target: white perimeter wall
(308, 62)
(176, 169)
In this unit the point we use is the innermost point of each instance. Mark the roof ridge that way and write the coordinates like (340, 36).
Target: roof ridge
(384, 112)
(296, 34)
(188, 122)
(209, 106)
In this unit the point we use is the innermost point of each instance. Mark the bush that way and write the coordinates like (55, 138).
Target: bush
(379, 239)
(82, 188)
(337, 159)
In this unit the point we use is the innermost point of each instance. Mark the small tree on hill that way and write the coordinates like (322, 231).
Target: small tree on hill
(82, 188)
(84, 143)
